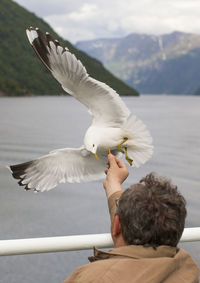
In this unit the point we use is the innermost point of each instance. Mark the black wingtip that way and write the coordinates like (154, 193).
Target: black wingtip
(40, 44)
(18, 172)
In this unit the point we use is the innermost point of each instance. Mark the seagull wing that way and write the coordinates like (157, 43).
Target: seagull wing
(103, 103)
(60, 166)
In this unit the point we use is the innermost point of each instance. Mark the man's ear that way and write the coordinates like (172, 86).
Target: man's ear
(116, 229)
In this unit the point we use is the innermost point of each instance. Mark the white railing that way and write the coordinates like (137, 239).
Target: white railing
(72, 243)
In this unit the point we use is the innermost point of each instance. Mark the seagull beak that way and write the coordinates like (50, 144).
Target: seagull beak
(96, 155)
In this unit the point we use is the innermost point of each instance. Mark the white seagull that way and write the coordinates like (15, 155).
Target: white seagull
(112, 126)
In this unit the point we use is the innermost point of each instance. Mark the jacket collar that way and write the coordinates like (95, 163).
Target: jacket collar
(136, 252)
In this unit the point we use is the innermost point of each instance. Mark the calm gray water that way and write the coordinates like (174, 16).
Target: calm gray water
(30, 127)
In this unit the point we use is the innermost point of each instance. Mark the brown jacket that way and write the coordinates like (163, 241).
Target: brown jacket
(139, 264)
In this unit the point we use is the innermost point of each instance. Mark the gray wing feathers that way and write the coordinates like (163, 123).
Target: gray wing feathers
(59, 166)
(75, 80)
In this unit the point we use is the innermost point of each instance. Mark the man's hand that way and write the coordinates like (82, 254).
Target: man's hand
(116, 173)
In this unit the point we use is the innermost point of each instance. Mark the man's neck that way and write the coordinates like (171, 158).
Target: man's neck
(119, 242)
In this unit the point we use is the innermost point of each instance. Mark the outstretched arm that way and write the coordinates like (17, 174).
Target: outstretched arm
(116, 173)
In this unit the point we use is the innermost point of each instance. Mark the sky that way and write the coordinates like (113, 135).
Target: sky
(77, 20)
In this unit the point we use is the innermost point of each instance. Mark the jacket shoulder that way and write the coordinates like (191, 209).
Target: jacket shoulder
(93, 272)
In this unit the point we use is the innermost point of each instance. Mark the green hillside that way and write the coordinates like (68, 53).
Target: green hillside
(21, 72)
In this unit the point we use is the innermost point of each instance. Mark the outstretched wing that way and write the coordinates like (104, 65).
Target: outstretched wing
(60, 166)
(103, 103)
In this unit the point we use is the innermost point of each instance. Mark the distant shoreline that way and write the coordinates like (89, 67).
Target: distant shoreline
(2, 94)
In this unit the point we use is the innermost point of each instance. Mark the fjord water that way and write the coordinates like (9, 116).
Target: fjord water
(31, 127)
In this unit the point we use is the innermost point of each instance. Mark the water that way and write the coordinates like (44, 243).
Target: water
(30, 127)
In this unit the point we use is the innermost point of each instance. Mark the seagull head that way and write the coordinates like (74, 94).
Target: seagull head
(94, 150)
(91, 140)
(92, 147)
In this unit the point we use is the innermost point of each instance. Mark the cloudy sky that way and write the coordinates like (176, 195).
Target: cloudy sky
(77, 20)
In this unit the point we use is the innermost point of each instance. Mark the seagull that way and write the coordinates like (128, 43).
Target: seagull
(112, 129)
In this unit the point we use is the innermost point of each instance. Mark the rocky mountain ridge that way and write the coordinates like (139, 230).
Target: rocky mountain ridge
(166, 63)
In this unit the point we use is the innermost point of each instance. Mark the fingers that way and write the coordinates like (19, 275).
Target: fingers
(116, 172)
(120, 163)
(113, 161)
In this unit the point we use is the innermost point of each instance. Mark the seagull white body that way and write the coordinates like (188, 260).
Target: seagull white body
(105, 138)
(111, 125)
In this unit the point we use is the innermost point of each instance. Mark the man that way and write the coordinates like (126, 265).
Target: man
(147, 222)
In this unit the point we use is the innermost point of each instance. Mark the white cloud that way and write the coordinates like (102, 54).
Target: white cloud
(87, 12)
(81, 20)
(45, 8)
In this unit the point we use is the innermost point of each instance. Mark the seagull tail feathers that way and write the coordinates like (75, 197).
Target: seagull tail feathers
(139, 142)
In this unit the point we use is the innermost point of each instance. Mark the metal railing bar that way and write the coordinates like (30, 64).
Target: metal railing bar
(72, 243)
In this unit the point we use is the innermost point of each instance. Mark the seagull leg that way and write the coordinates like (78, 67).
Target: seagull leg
(130, 161)
(119, 145)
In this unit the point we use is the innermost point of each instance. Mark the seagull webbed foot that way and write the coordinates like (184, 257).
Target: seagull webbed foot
(124, 151)
(119, 145)
(130, 161)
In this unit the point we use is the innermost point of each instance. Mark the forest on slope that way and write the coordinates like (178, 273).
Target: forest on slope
(21, 73)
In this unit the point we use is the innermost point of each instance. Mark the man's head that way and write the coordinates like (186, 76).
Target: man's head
(152, 213)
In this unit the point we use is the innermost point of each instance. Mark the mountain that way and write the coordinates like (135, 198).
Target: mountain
(167, 63)
(21, 72)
